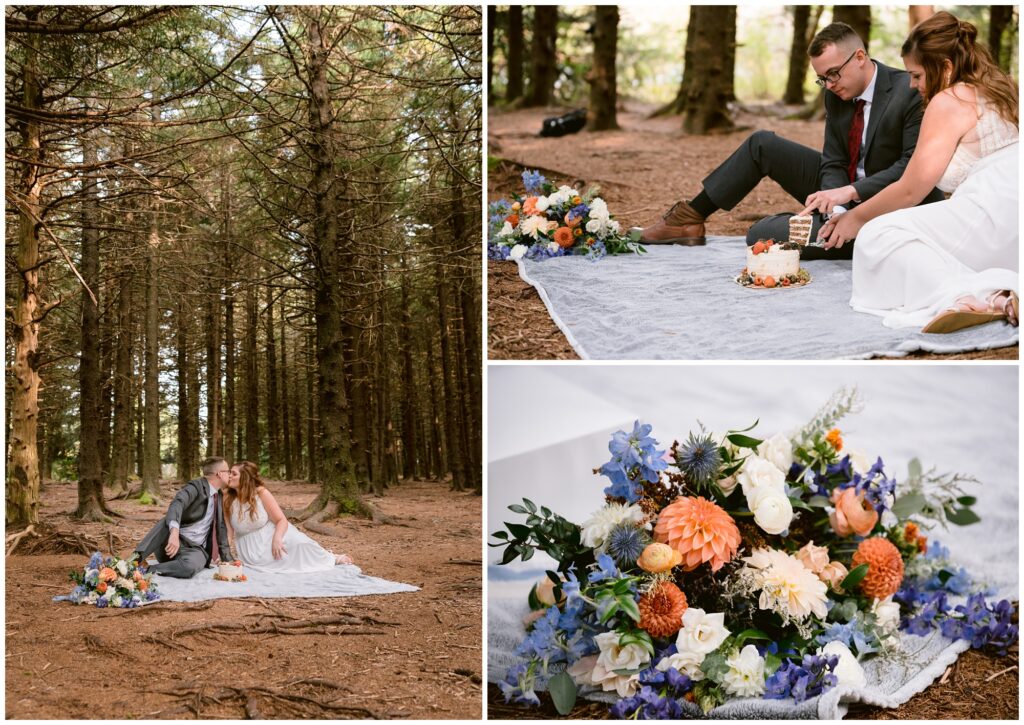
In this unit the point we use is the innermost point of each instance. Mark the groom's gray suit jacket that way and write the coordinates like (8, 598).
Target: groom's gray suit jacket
(187, 507)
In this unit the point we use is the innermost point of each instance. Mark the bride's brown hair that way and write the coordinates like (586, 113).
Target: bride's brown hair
(943, 37)
(249, 482)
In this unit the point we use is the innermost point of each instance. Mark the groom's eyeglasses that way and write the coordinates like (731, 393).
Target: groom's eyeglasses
(833, 75)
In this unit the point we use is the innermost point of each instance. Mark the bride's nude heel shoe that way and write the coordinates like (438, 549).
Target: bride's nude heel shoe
(953, 320)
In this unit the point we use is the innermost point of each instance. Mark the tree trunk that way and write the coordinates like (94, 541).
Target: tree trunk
(452, 416)
(707, 86)
(312, 440)
(1002, 34)
(603, 96)
(411, 462)
(917, 13)
(23, 470)
(798, 59)
(543, 69)
(492, 16)
(232, 438)
(251, 380)
(287, 398)
(106, 391)
(514, 89)
(214, 429)
(121, 448)
(151, 447)
(857, 17)
(184, 457)
(273, 399)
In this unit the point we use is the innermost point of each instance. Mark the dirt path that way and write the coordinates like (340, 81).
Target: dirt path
(422, 661)
(642, 170)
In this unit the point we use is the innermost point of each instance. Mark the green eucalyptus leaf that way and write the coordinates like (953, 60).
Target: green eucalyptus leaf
(518, 509)
(855, 577)
(530, 505)
(962, 517)
(509, 555)
(909, 504)
(742, 441)
(967, 500)
(563, 692)
(914, 469)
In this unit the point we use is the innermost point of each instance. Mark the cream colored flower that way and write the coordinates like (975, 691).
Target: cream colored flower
(506, 230)
(859, 461)
(702, 633)
(813, 557)
(887, 615)
(686, 662)
(600, 524)
(848, 671)
(534, 225)
(601, 671)
(833, 575)
(772, 509)
(760, 473)
(787, 586)
(778, 451)
(517, 252)
(745, 677)
(543, 203)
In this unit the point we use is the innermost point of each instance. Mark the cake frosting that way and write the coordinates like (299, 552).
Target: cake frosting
(230, 571)
(772, 264)
(800, 229)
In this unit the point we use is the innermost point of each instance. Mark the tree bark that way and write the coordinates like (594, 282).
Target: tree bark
(543, 69)
(452, 417)
(273, 398)
(603, 93)
(214, 419)
(1002, 34)
(798, 59)
(251, 378)
(857, 17)
(184, 457)
(287, 403)
(232, 437)
(492, 16)
(410, 461)
(121, 448)
(708, 80)
(514, 89)
(151, 418)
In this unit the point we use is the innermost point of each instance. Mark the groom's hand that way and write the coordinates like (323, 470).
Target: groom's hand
(824, 201)
(173, 543)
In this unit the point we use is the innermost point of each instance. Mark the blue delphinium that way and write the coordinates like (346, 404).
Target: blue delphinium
(699, 459)
(635, 459)
(879, 490)
(813, 676)
(533, 181)
(851, 634)
(595, 251)
(626, 543)
(658, 697)
(540, 252)
(606, 569)
(519, 683)
(975, 620)
(498, 252)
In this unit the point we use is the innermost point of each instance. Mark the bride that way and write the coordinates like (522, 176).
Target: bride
(954, 263)
(260, 533)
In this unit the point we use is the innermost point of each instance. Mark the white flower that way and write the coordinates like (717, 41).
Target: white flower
(533, 225)
(701, 633)
(787, 586)
(860, 462)
(602, 670)
(564, 194)
(595, 226)
(543, 203)
(600, 524)
(848, 671)
(887, 614)
(772, 509)
(506, 230)
(728, 485)
(778, 450)
(553, 247)
(599, 209)
(758, 473)
(745, 677)
(518, 251)
(614, 227)
(122, 567)
(686, 662)
(123, 583)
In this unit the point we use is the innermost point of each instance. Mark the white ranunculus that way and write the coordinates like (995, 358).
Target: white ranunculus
(599, 209)
(506, 230)
(518, 251)
(745, 677)
(596, 529)
(772, 509)
(778, 450)
(848, 671)
(686, 662)
(701, 633)
(534, 225)
(887, 614)
(122, 567)
(860, 462)
(613, 657)
(594, 226)
(543, 203)
(758, 473)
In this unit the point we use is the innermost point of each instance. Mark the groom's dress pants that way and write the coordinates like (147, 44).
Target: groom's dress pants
(189, 561)
(794, 167)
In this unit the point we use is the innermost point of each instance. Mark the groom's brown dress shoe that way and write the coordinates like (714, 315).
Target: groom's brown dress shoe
(680, 225)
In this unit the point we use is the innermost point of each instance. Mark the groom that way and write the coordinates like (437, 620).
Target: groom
(192, 532)
(872, 118)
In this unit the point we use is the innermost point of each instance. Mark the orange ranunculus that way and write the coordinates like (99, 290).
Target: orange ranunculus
(143, 585)
(107, 574)
(513, 219)
(516, 206)
(853, 514)
(572, 221)
(101, 587)
(530, 206)
(913, 536)
(577, 232)
(658, 558)
(834, 437)
(885, 567)
(564, 237)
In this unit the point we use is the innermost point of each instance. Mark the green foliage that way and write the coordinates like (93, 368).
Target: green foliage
(937, 497)
(855, 577)
(544, 531)
(563, 692)
(147, 499)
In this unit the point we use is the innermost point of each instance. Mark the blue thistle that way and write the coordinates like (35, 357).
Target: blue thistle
(699, 459)
(626, 543)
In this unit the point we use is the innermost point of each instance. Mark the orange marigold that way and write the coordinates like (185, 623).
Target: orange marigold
(834, 437)
(513, 219)
(885, 567)
(913, 536)
(661, 609)
(564, 237)
(699, 530)
(530, 206)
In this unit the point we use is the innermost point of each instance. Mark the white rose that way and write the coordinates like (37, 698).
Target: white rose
(596, 529)
(760, 473)
(599, 209)
(772, 509)
(594, 226)
(543, 203)
(778, 450)
(506, 230)
(860, 462)
(701, 633)
(518, 251)
(686, 662)
(848, 671)
(553, 247)
(613, 657)
(745, 677)
(887, 613)
(122, 567)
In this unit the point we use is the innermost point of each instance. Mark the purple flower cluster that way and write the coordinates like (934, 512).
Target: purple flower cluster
(498, 252)
(533, 182)
(658, 698)
(875, 485)
(635, 458)
(975, 620)
(519, 683)
(813, 676)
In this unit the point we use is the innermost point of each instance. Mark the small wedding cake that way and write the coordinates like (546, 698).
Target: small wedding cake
(230, 572)
(773, 264)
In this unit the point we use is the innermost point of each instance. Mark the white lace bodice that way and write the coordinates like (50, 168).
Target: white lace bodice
(244, 524)
(990, 134)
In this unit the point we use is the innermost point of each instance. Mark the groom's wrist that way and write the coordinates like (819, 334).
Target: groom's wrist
(173, 525)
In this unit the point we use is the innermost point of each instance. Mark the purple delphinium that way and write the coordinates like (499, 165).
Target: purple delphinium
(518, 684)
(813, 676)
(498, 252)
(533, 181)
(658, 698)
(635, 458)
(875, 485)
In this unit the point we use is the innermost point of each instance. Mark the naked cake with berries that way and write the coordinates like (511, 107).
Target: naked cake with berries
(773, 264)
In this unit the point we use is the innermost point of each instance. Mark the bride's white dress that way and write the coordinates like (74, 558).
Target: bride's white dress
(253, 538)
(910, 265)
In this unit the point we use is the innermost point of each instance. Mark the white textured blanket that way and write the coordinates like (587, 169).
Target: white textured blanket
(341, 581)
(681, 303)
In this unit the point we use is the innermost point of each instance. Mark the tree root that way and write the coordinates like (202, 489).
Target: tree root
(318, 625)
(313, 702)
(45, 539)
(14, 539)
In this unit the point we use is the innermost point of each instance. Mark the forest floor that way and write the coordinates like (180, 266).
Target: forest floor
(421, 661)
(642, 170)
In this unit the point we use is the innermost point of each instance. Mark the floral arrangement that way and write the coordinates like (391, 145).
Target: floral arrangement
(735, 567)
(549, 222)
(239, 578)
(112, 582)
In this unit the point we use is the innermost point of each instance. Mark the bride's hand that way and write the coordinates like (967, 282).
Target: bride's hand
(840, 229)
(277, 549)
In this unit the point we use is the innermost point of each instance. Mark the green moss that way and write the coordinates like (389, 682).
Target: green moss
(147, 499)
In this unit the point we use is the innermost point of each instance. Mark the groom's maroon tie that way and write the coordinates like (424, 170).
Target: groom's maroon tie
(213, 533)
(853, 141)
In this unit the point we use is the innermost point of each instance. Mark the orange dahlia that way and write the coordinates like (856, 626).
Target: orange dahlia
(885, 567)
(564, 237)
(699, 530)
(513, 219)
(661, 609)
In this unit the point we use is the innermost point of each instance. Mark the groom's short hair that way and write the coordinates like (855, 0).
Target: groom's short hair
(210, 464)
(834, 34)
